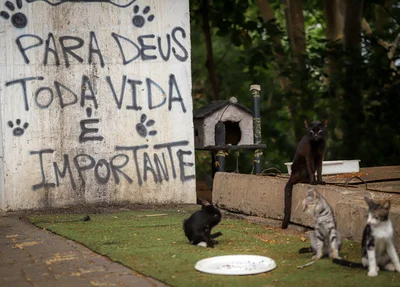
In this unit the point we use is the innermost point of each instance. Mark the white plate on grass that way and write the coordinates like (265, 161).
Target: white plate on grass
(236, 265)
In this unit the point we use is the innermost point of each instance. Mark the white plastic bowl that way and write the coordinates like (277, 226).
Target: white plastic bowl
(335, 166)
(236, 264)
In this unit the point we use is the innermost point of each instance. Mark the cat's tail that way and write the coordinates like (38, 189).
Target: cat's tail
(344, 262)
(216, 234)
(306, 250)
(288, 204)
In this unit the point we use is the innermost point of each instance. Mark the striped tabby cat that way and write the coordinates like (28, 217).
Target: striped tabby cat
(377, 246)
(325, 238)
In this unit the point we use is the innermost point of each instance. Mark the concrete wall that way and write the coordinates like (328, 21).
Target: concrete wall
(96, 105)
(264, 196)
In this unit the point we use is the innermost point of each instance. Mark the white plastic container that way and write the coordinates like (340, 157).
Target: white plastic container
(335, 166)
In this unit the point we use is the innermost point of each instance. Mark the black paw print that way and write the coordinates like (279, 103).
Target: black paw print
(141, 127)
(138, 20)
(18, 19)
(17, 131)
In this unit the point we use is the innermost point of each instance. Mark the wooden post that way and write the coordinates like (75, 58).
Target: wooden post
(255, 92)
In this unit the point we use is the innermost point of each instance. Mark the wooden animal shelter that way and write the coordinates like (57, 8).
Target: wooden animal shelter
(226, 125)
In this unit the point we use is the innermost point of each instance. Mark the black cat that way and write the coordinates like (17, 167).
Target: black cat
(308, 159)
(198, 226)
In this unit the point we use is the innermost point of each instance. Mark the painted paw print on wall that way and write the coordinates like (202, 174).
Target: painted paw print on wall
(141, 127)
(139, 20)
(18, 131)
(18, 19)
(118, 3)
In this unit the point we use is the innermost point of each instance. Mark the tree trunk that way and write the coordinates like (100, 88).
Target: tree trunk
(298, 101)
(352, 25)
(210, 57)
(381, 16)
(334, 17)
(295, 29)
(267, 14)
(280, 59)
(353, 108)
(330, 19)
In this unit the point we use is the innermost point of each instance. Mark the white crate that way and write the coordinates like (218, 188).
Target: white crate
(335, 166)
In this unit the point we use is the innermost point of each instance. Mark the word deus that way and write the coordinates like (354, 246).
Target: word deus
(146, 47)
(167, 163)
(67, 96)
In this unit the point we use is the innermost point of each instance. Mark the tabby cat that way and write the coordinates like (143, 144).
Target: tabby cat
(325, 238)
(377, 247)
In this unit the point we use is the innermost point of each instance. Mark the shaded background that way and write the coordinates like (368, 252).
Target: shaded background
(314, 59)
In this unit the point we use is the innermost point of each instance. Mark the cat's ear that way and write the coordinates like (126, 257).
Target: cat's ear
(325, 123)
(306, 123)
(386, 205)
(369, 201)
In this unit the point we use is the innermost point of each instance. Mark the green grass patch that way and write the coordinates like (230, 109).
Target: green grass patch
(156, 246)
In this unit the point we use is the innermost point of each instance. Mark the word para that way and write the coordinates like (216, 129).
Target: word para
(73, 47)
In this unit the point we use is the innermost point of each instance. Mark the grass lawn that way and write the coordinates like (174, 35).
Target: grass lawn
(156, 246)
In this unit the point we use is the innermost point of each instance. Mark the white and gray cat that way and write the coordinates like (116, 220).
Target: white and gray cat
(325, 238)
(377, 245)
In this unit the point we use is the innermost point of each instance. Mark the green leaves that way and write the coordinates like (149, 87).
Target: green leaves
(250, 51)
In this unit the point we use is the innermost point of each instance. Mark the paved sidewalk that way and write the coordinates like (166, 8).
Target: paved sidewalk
(30, 257)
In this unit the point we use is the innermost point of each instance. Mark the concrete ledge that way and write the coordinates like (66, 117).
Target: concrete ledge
(264, 196)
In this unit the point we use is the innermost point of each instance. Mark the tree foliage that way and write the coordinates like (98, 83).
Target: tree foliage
(346, 72)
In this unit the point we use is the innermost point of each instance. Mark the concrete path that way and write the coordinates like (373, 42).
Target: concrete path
(30, 257)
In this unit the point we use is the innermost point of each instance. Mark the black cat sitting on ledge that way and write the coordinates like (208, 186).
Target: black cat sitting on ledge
(307, 159)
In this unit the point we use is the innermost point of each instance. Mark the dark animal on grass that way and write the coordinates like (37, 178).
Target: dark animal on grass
(198, 226)
(307, 159)
(377, 247)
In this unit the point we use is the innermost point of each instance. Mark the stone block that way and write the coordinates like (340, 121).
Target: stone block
(264, 196)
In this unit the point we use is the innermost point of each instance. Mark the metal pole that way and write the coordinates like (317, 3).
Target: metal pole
(255, 92)
(220, 141)
(220, 160)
